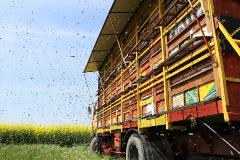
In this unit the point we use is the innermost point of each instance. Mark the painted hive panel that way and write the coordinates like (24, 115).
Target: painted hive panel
(207, 91)
(134, 114)
(178, 100)
(119, 118)
(191, 96)
(127, 116)
(147, 106)
(148, 109)
(114, 119)
(160, 106)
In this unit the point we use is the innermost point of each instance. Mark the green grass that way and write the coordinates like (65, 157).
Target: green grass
(47, 152)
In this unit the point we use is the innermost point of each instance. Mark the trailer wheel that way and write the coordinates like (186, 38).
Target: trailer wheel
(94, 146)
(135, 148)
(140, 147)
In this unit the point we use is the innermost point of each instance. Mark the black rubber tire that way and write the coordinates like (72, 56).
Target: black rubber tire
(135, 148)
(94, 146)
(147, 149)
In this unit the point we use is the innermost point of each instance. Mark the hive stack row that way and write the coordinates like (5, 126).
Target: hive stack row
(163, 71)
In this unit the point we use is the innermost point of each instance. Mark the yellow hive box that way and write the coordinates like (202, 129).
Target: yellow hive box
(207, 91)
(147, 101)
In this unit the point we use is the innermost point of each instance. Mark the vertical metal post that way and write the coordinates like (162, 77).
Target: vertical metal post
(164, 56)
(121, 102)
(139, 109)
(220, 67)
(110, 117)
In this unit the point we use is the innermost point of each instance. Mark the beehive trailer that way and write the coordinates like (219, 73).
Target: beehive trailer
(169, 80)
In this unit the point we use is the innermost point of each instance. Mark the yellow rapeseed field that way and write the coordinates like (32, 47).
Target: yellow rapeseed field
(66, 135)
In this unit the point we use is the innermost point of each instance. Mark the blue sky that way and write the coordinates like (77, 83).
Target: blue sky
(44, 46)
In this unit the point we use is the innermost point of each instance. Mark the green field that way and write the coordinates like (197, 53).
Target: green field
(47, 152)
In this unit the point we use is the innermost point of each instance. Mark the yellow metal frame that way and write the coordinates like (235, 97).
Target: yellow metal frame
(234, 42)
(188, 57)
(188, 65)
(233, 79)
(220, 67)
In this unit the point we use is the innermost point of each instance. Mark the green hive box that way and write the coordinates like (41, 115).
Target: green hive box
(191, 96)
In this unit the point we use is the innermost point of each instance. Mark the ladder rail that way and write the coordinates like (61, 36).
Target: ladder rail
(233, 148)
(235, 32)
(234, 43)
